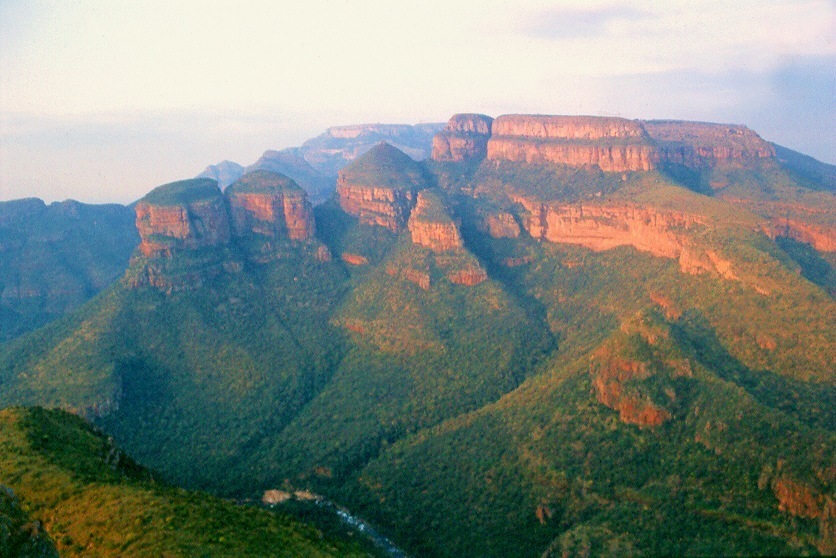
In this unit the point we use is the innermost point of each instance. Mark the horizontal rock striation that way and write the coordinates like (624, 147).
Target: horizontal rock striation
(465, 137)
(704, 144)
(662, 233)
(431, 225)
(380, 187)
(612, 144)
(190, 214)
(270, 204)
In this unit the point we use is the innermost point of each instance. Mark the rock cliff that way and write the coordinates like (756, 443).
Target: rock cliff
(431, 225)
(703, 144)
(272, 205)
(465, 137)
(189, 214)
(662, 233)
(380, 187)
(612, 144)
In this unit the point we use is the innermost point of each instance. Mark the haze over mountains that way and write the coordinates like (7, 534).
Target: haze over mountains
(529, 335)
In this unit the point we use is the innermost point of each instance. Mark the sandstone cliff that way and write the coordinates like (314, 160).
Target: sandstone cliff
(612, 144)
(465, 137)
(272, 205)
(703, 144)
(380, 187)
(189, 214)
(431, 225)
(662, 233)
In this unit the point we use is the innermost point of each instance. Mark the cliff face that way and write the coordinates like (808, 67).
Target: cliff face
(380, 187)
(613, 144)
(272, 205)
(599, 228)
(702, 144)
(465, 137)
(188, 226)
(431, 225)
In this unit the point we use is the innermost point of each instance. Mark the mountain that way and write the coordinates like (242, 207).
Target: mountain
(55, 257)
(90, 498)
(335, 149)
(224, 173)
(560, 335)
(315, 164)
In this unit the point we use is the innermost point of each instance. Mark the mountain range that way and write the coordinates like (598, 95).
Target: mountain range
(554, 335)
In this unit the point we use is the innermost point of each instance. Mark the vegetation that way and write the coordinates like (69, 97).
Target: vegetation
(55, 257)
(94, 500)
(263, 181)
(384, 166)
(183, 192)
(574, 402)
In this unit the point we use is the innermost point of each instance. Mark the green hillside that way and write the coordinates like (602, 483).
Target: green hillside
(91, 499)
(563, 401)
(55, 257)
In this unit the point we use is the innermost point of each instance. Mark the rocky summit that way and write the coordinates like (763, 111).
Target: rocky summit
(553, 336)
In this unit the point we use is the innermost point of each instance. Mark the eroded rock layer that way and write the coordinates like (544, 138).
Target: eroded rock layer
(431, 225)
(703, 144)
(613, 144)
(465, 137)
(380, 187)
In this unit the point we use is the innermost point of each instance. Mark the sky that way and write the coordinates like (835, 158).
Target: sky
(103, 100)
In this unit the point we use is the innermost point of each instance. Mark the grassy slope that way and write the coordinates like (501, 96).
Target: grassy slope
(93, 500)
(434, 412)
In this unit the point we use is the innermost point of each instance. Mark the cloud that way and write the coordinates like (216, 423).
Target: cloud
(578, 22)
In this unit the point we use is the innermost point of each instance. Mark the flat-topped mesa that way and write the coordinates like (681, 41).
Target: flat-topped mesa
(431, 225)
(270, 204)
(189, 214)
(612, 144)
(704, 144)
(465, 137)
(380, 187)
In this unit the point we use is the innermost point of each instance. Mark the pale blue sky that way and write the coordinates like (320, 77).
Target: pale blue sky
(104, 100)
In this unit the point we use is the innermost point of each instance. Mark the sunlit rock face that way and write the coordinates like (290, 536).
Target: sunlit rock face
(380, 187)
(612, 144)
(465, 137)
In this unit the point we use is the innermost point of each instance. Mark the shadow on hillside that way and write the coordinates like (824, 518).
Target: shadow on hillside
(807, 402)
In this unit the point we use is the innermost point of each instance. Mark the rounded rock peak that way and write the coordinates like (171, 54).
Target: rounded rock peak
(183, 192)
(263, 182)
(470, 123)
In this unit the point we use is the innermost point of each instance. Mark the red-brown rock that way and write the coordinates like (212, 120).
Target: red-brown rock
(465, 137)
(431, 225)
(704, 144)
(612, 144)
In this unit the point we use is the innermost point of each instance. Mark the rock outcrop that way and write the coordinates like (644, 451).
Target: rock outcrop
(464, 138)
(431, 225)
(272, 205)
(703, 144)
(612, 144)
(662, 233)
(380, 187)
(290, 162)
(189, 214)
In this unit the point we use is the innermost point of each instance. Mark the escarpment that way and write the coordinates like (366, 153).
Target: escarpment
(704, 144)
(191, 231)
(612, 144)
(662, 233)
(464, 138)
(431, 225)
(380, 187)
